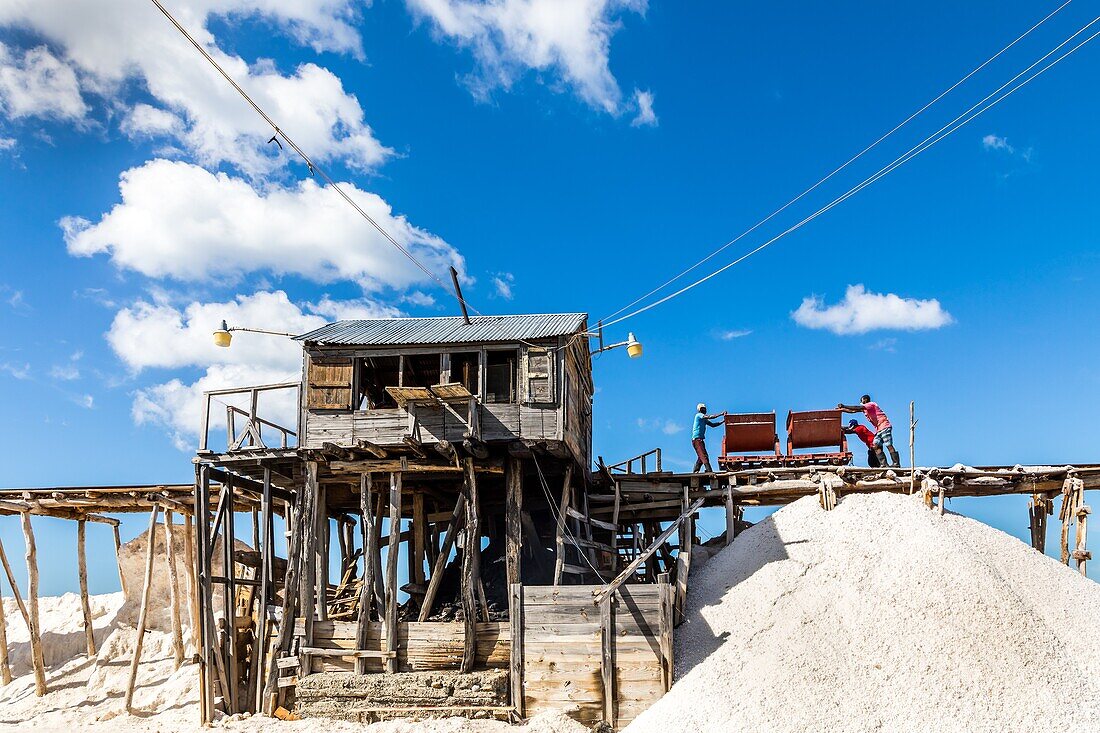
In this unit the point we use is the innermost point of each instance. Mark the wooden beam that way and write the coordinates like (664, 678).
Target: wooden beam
(32, 603)
(471, 568)
(441, 558)
(607, 658)
(5, 667)
(515, 661)
(559, 534)
(370, 548)
(375, 450)
(419, 539)
(143, 614)
(391, 569)
(513, 523)
(82, 576)
(173, 591)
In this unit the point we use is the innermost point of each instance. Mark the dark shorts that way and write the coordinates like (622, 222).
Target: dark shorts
(700, 446)
(884, 438)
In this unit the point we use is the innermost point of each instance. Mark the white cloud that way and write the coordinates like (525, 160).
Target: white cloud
(108, 51)
(35, 83)
(668, 427)
(65, 372)
(86, 401)
(7, 143)
(19, 371)
(995, 142)
(887, 344)
(503, 283)
(862, 311)
(159, 335)
(177, 220)
(732, 334)
(570, 38)
(643, 101)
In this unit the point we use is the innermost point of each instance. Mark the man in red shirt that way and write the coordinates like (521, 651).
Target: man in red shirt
(884, 434)
(868, 438)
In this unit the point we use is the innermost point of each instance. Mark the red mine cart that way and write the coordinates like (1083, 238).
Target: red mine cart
(816, 429)
(746, 436)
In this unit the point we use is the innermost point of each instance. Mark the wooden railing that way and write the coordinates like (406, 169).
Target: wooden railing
(250, 435)
(627, 466)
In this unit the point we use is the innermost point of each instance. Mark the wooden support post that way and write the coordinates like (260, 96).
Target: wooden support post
(391, 570)
(419, 539)
(731, 515)
(912, 443)
(563, 510)
(607, 657)
(229, 591)
(143, 614)
(14, 587)
(5, 667)
(381, 502)
(173, 591)
(615, 507)
(664, 628)
(32, 604)
(1069, 498)
(515, 662)
(370, 549)
(324, 538)
(264, 536)
(118, 561)
(683, 557)
(441, 558)
(82, 576)
(192, 580)
(307, 592)
(513, 523)
(471, 567)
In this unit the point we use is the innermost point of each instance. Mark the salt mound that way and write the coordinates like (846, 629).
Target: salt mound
(882, 615)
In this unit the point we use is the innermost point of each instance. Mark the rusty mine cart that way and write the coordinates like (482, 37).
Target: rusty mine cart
(751, 441)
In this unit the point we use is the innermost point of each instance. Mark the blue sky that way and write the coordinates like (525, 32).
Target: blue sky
(566, 156)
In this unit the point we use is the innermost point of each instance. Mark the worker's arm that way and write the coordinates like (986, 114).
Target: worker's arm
(713, 423)
(715, 416)
(850, 408)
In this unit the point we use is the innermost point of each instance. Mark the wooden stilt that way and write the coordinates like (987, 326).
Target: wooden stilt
(513, 526)
(515, 662)
(563, 510)
(82, 575)
(912, 443)
(5, 667)
(441, 558)
(118, 561)
(731, 515)
(143, 614)
(308, 593)
(391, 570)
(683, 557)
(1069, 498)
(471, 567)
(370, 549)
(419, 539)
(32, 604)
(381, 508)
(324, 538)
(173, 590)
(14, 587)
(192, 579)
(607, 657)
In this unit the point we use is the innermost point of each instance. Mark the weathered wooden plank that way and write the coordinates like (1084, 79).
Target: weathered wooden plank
(391, 568)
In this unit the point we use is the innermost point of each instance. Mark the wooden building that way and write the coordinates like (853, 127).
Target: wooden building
(450, 460)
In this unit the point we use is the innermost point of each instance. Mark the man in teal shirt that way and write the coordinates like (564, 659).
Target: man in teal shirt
(699, 434)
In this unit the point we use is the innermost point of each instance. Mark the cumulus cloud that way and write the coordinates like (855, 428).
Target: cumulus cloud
(861, 311)
(645, 117)
(156, 334)
(569, 38)
(107, 51)
(35, 83)
(223, 228)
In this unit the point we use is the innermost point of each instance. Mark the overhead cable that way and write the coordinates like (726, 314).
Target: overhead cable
(851, 160)
(916, 150)
(313, 167)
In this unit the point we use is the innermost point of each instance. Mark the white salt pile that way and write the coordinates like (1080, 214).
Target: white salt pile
(883, 616)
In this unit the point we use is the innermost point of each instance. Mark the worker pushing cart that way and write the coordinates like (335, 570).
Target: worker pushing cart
(884, 436)
(699, 436)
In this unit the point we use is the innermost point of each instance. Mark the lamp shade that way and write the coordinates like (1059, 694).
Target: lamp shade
(633, 346)
(222, 337)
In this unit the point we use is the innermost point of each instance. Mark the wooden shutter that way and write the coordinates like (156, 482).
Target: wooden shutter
(540, 376)
(330, 384)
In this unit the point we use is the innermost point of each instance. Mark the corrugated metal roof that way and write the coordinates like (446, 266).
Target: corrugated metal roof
(446, 330)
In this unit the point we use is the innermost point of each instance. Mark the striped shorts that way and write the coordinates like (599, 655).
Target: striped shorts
(884, 438)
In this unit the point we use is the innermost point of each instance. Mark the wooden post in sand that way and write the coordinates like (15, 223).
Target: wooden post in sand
(173, 591)
(192, 580)
(82, 572)
(152, 537)
(32, 601)
(912, 453)
(5, 668)
(118, 561)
